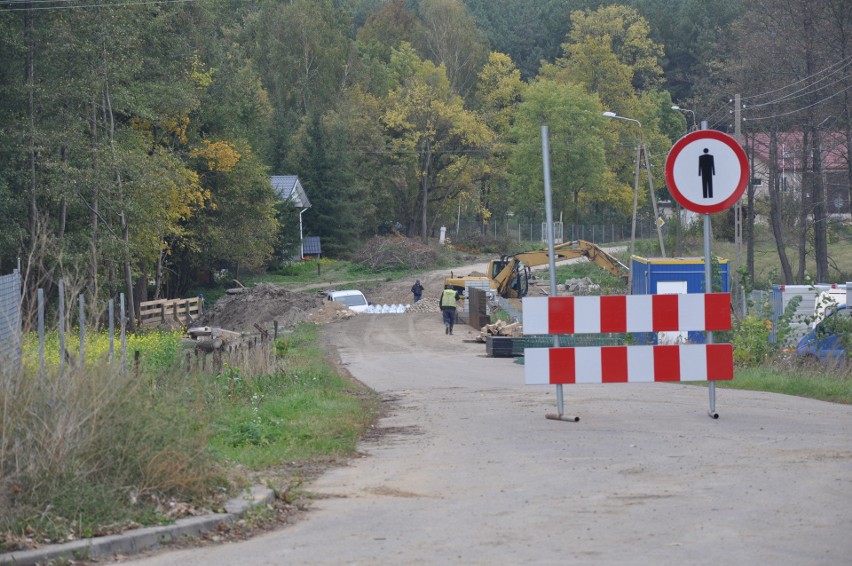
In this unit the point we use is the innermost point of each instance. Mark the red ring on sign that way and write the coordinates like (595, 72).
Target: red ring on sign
(738, 190)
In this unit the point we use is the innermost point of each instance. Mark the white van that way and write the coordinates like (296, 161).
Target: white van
(352, 298)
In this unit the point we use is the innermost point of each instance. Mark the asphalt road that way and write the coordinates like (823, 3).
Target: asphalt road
(470, 471)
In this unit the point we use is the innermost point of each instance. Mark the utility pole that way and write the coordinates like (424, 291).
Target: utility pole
(657, 218)
(738, 207)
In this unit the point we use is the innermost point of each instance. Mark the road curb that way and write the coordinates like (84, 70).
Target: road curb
(140, 540)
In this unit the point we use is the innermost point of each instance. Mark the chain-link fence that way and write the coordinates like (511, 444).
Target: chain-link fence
(533, 232)
(10, 324)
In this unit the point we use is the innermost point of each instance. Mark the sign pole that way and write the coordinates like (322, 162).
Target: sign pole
(707, 172)
(708, 288)
(548, 210)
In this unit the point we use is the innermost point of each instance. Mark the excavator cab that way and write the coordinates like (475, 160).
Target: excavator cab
(511, 276)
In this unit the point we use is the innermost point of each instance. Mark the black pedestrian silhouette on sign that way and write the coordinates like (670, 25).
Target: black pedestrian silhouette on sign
(706, 170)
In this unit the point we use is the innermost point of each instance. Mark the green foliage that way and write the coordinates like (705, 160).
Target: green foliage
(302, 268)
(450, 38)
(529, 32)
(692, 31)
(340, 210)
(240, 227)
(98, 451)
(306, 412)
(749, 335)
(500, 314)
(619, 31)
(433, 141)
(100, 448)
(576, 136)
(779, 375)
(302, 69)
(750, 341)
(157, 349)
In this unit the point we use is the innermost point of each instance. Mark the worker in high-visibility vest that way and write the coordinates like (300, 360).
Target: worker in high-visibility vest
(448, 307)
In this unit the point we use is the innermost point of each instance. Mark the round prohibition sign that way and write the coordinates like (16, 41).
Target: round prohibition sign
(707, 171)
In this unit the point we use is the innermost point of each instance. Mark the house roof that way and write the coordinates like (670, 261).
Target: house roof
(834, 149)
(311, 246)
(289, 188)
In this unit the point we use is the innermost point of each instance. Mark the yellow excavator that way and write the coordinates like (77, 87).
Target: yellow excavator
(509, 276)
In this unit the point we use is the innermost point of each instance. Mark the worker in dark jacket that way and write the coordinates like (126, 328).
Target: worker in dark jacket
(417, 290)
(448, 307)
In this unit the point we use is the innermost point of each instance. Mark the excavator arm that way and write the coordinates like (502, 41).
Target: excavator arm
(512, 279)
(510, 275)
(603, 259)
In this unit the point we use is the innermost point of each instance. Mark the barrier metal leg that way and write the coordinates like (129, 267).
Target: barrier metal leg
(712, 412)
(560, 416)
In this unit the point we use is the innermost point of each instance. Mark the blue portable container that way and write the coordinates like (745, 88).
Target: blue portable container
(653, 276)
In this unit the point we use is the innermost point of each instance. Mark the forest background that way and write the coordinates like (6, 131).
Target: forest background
(137, 137)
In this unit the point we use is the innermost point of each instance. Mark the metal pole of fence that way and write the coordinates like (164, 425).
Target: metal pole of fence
(61, 327)
(111, 331)
(82, 321)
(41, 332)
(123, 323)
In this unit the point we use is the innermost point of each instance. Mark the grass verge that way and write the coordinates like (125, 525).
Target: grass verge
(98, 451)
(790, 378)
(309, 411)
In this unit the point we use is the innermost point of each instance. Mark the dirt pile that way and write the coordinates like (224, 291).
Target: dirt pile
(262, 304)
(329, 312)
(425, 305)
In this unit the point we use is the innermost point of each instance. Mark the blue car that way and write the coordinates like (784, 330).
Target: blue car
(825, 341)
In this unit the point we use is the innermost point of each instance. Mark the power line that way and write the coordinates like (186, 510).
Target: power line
(711, 119)
(817, 103)
(808, 90)
(68, 6)
(842, 62)
(35, 1)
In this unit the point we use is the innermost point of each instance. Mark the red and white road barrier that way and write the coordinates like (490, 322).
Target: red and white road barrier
(625, 314)
(628, 364)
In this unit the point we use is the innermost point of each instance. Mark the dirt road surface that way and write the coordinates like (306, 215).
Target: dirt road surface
(470, 472)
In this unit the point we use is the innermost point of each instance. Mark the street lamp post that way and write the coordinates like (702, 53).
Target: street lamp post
(694, 123)
(641, 150)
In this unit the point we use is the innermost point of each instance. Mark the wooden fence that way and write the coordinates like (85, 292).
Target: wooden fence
(182, 311)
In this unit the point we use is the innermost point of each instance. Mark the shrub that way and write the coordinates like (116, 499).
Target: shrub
(750, 340)
(486, 244)
(386, 253)
(97, 447)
